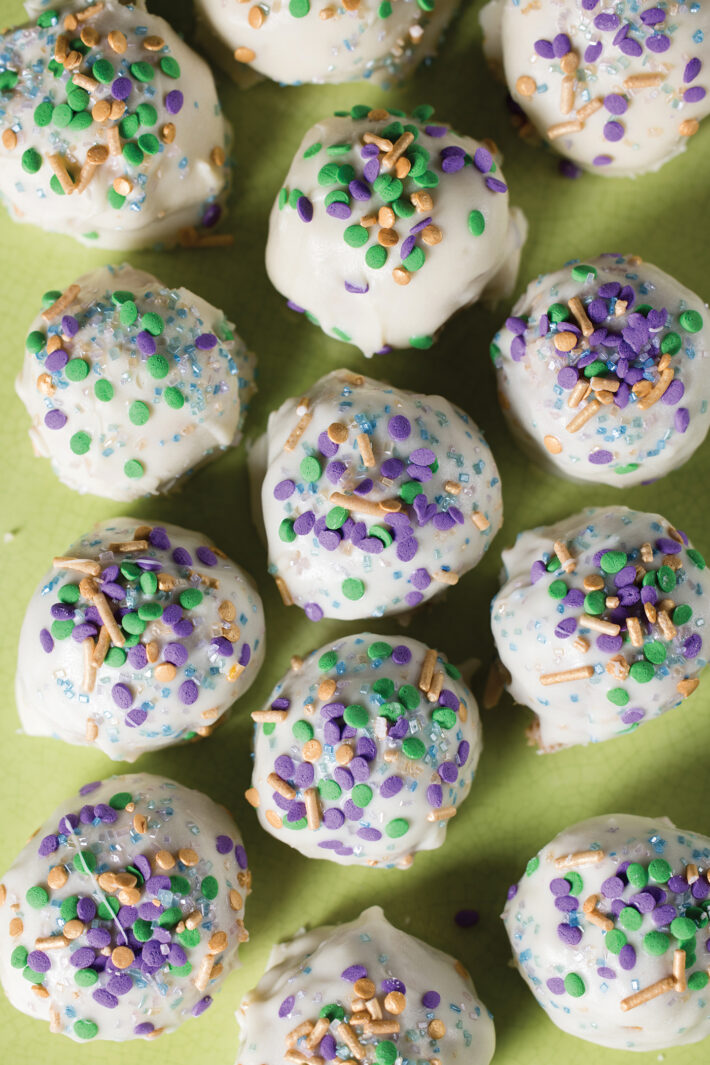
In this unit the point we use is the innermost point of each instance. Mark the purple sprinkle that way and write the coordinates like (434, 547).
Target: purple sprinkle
(653, 16)
(451, 163)
(176, 653)
(174, 101)
(570, 934)
(495, 185)
(354, 973)
(601, 457)
(82, 958)
(692, 69)
(357, 289)
(566, 628)
(606, 973)
(544, 49)
(136, 717)
(407, 246)
(431, 999)
(658, 43)
(627, 957)
(284, 489)
(606, 21)
(615, 103)
(691, 647)
(182, 557)
(122, 696)
(146, 343)
(681, 420)
(601, 160)
(188, 692)
(556, 985)
(559, 885)
(592, 52)
(359, 190)
(482, 160)
(313, 612)
(86, 909)
(694, 94)
(436, 131)
(613, 131)
(401, 655)
(561, 45)
(304, 208)
(55, 419)
(121, 88)
(48, 846)
(206, 556)
(371, 168)
(399, 427)
(631, 47)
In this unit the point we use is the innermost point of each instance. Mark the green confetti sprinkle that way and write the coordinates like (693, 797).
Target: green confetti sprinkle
(532, 866)
(157, 366)
(356, 236)
(302, 731)
(353, 588)
(31, 161)
(190, 598)
(660, 870)
(134, 469)
(80, 443)
(85, 1029)
(692, 321)
(397, 827)
(574, 985)
(583, 272)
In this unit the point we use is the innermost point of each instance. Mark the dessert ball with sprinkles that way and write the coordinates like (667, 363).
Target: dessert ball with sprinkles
(364, 991)
(132, 385)
(604, 371)
(111, 130)
(387, 224)
(125, 911)
(600, 623)
(608, 926)
(321, 41)
(374, 499)
(364, 751)
(619, 88)
(140, 636)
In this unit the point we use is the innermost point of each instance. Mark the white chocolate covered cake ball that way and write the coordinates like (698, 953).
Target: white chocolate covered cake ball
(600, 623)
(619, 88)
(373, 499)
(321, 41)
(604, 371)
(125, 911)
(608, 927)
(132, 385)
(364, 751)
(387, 224)
(139, 637)
(112, 132)
(365, 991)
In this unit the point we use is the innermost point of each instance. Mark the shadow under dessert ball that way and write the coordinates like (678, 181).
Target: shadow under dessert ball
(364, 751)
(373, 499)
(364, 991)
(608, 926)
(125, 911)
(139, 637)
(603, 371)
(112, 130)
(132, 385)
(387, 224)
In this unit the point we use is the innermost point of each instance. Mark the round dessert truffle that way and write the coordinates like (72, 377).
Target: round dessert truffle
(618, 88)
(124, 912)
(112, 132)
(132, 385)
(600, 623)
(374, 499)
(323, 42)
(364, 751)
(139, 637)
(607, 926)
(378, 206)
(366, 991)
(603, 371)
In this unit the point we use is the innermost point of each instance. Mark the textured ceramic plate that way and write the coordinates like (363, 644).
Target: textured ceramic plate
(519, 799)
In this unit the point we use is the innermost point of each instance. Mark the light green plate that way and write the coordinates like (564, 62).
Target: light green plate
(519, 799)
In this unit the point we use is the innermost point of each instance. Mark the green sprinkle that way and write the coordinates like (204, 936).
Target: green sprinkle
(594, 369)
(328, 174)
(80, 442)
(414, 748)
(299, 8)
(660, 870)
(149, 143)
(409, 696)
(189, 938)
(583, 272)
(618, 696)
(115, 657)
(310, 468)
(128, 126)
(35, 341)
(336, 196)
(670, 344)
(410, 490)
(329, 789)
(557, 313)
(120, 800)
(174, 397)
(387, 187)
(574, 985)
(328, 660)
(132, 153)
(397, 827)
(134, 469)
(153, 323)
(190, 598)
(385, 1052)
(692, 321)
(179, 885)
(376, 256)
(68, 593)
(353, 588)
(148, 582)
(476, 223)
(283, 199)
(558, 589)
(631, 918)
(415, 260)
(595, 602)
(656, 943)
(697, 981)
(139, 412)
(641, 672)
(130, 571)
(336, 518)
(382, 534)
(84, 861)
(332, 1012)
(43, 113)
(286, 531)
(169, 917)
(682, 614)
(313, 150)
(31, 161)
(575, 882)
(78, 98)
(683, 928)
(128, 313)
(18, 958)
(628, 468)
(81, 120)
(385, 9)
(613, 561)
(67, 910)
(666, 579)
(421, 342)
(133, 624)
(37, 897)
(170, 67)
(403, 208)
(61, 630)
(379, 649)
(150, 611)
(356, 236)
(356, 716)
(85, 1029)
(384, 687)
(157, 366)
(302, 731)
(614, 940)
(85, 977)
(696, 558)
(444, 716)
(655, 652)
(103, 71)
(532, 866)
(142, 71)
(115, 199)
(147, 115)
(361, 795)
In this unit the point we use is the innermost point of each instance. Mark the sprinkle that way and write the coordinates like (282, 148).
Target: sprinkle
(365, 448)
(580, 673)
(579, 858)
(648, 993)
(585, 414)
(561, 129)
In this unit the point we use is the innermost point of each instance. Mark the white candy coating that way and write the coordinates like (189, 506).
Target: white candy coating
(171, 178)
(632, 438)
(637, 672)
(313, 970)
(348, 575)
(174, 682)
(323, 42)
(376, 750)
(104, 849)
(680, 1014)
(169, 416)
(621, 87)
(312, 264)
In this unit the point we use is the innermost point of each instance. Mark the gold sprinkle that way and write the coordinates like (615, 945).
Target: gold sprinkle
(423, 201)
(445, 576)
(347, 1036)
(386, 217)
(252, 797)
(165, 672)
(561, 129)
(153, 43)
(16, 927)
(402, 167)
(567, 93)
(9, 139)
(51, 942)
(327, 688)
(452, 487)
(123, 186)
(188, 856)
(122, 957)
(344, 754)
(91, 731)
(363, 505)
(73, 929)
(382, 143)
(337, 432)
(552, 444)
(578, 393)
(364, 445)
(648, 993)
(164, 859)
(581, 644)
(235, 900)
(569, 62)
(436, 1028)
(278, 784)
(431, 234)
(526, 85)
(283, 591)
(689, 127)
(56, 877)
(167, 133)
(244, 55)
(618, 667)
(85, 82)
(443, 813)
(395, 1002)
(381, 1027)
(401, 276)
(217, 942)
(114, 140)
(679, 970)
(578, 858)
(298, 431)
(310, 797)
(378, 114)
(61, 48)
(585, 415)
(644, 81)
(218, 156)
(687, 687)
(273, 818)
(577, 308)
(117, 42)
(387, 238)
(657, 391)
(584, 112)
(311, 751)
(565, 675)
(398, 148)
(567, 562)
(565, 341)
(59, 307)
(589, 621)
(204, 973)
(73, 60)
(140, 824)
(426, 674)
(269, 715)
(45, 385)
(319, 1030)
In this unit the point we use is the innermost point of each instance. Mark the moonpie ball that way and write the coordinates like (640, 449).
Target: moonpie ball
(322, 989)
(140, 636)
(112, 132)
(373, 499)
(600, 623)
(125, 911)
(365, 751)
